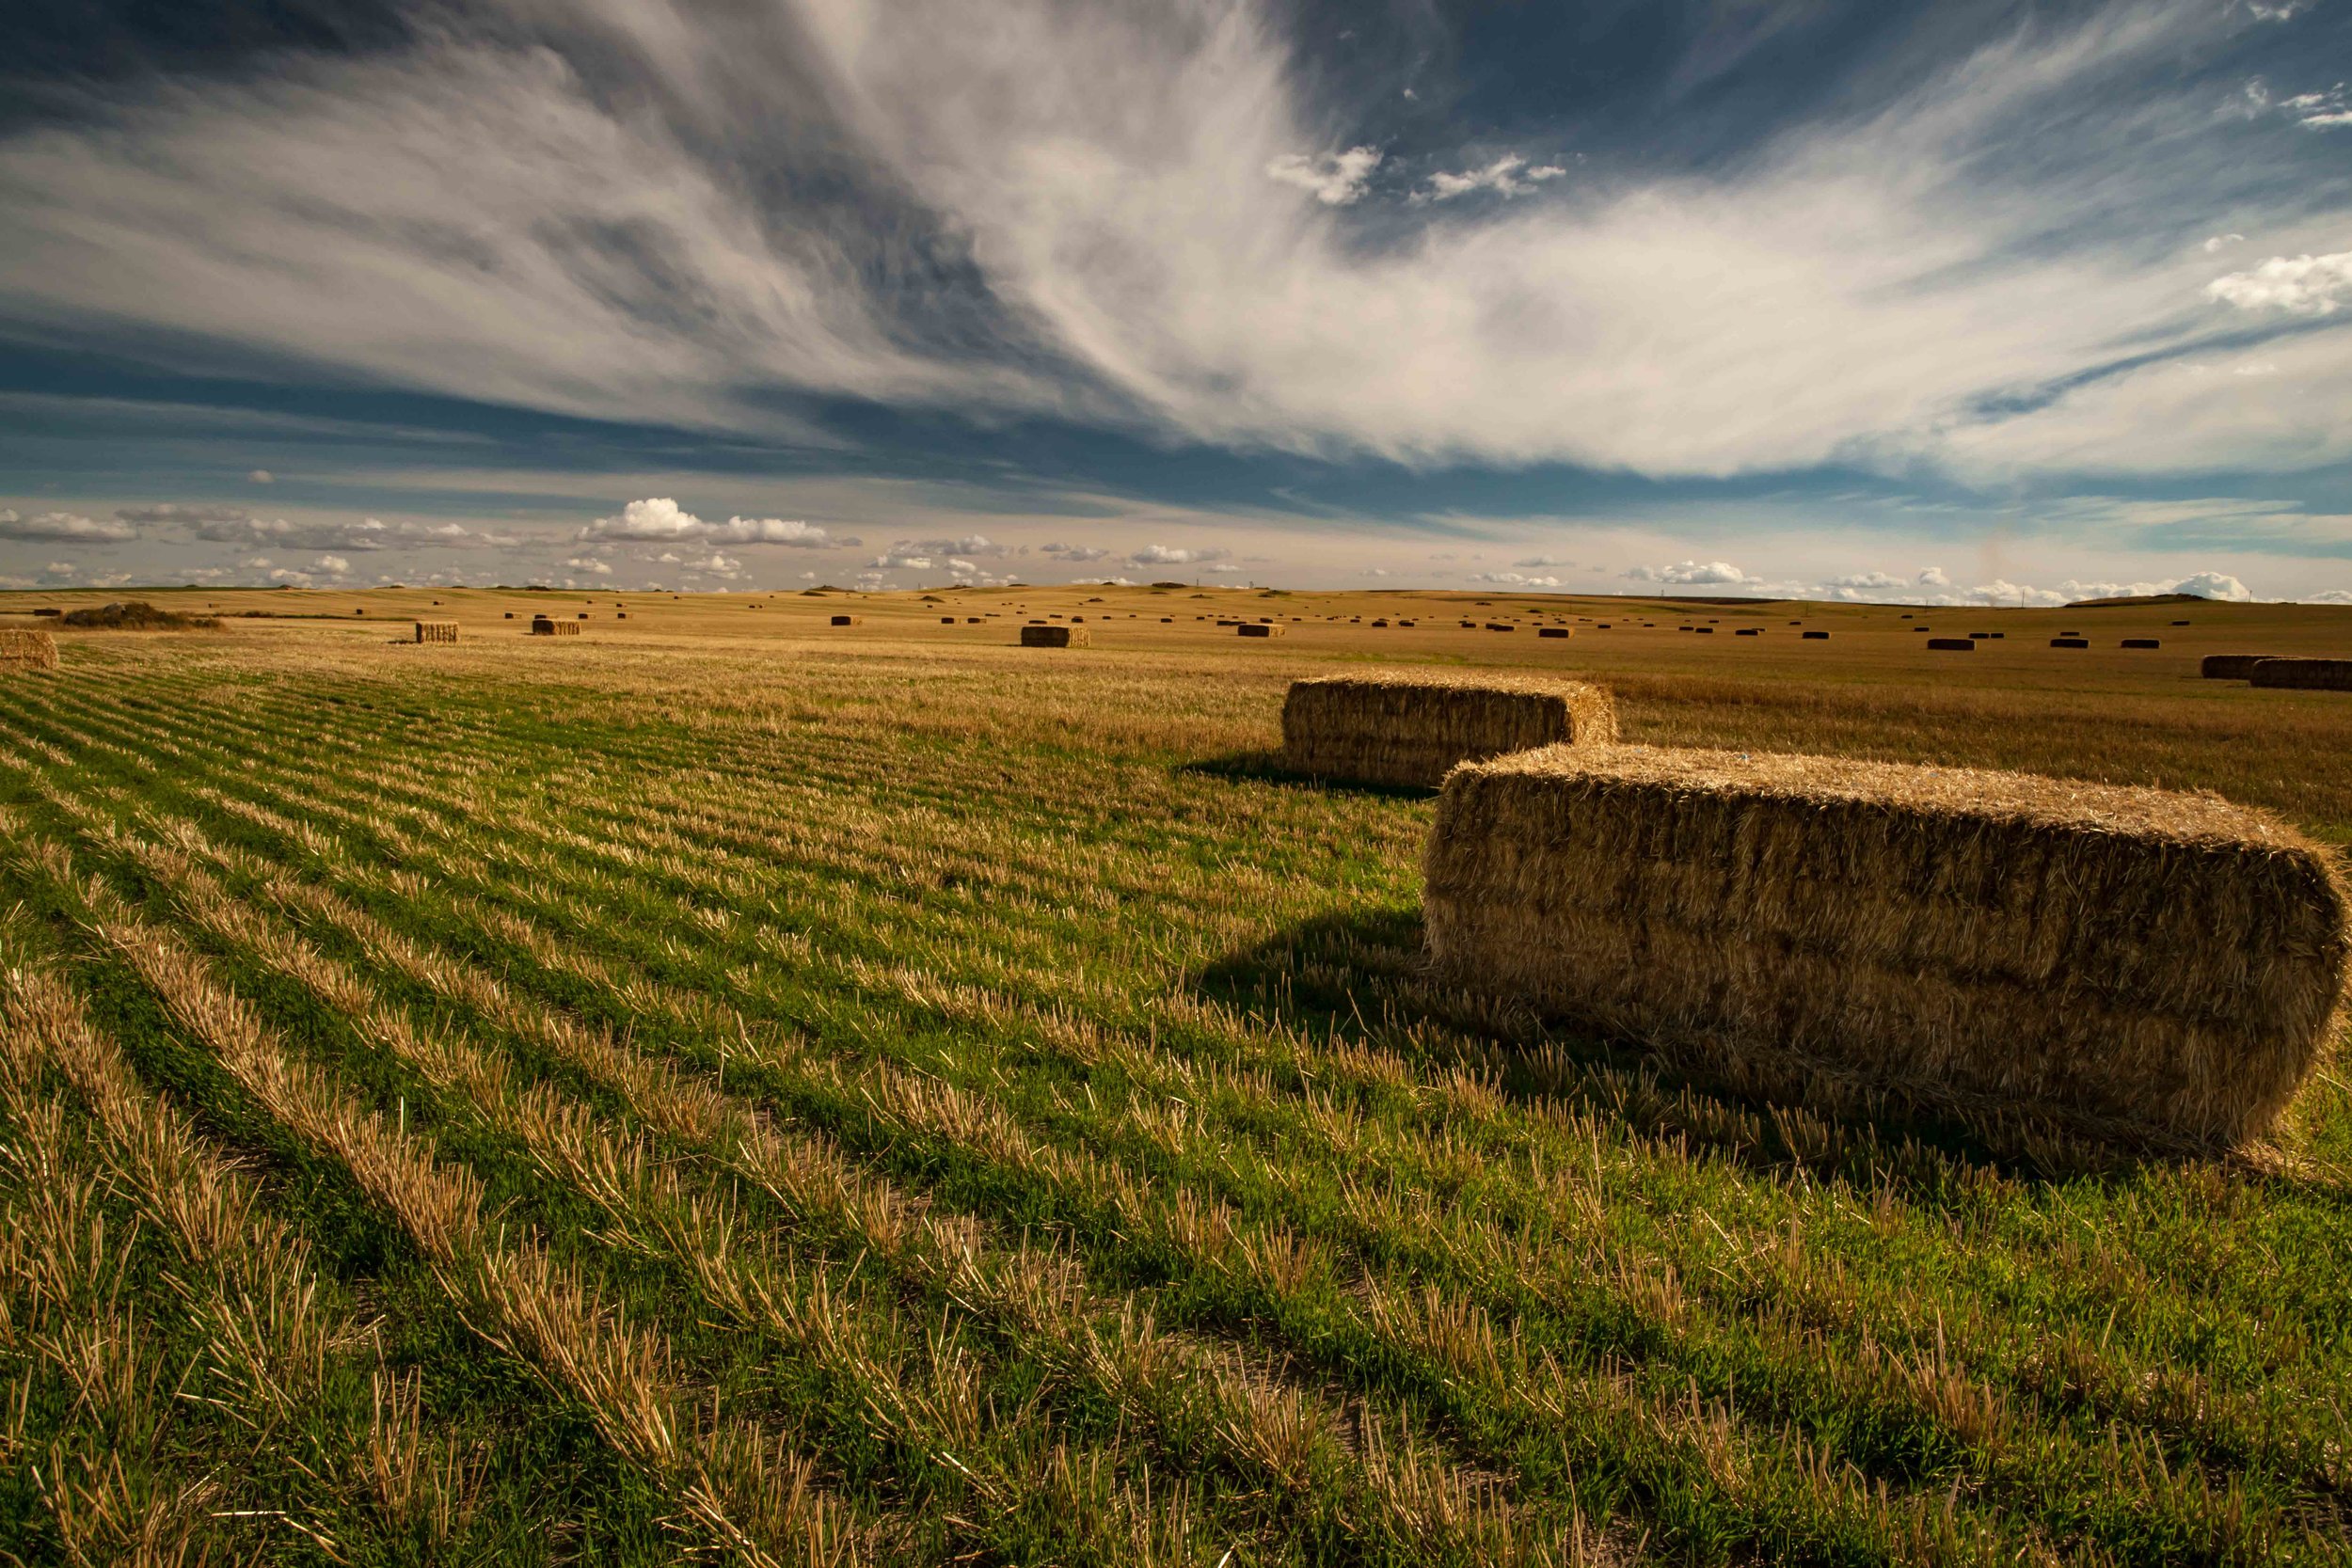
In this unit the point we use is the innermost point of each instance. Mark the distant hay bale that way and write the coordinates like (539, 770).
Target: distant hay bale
(1815, 636)
(546, 625)
(1259, 629)
(1551, 631)
(1748, 631)
(1501, 626)
(2228, 666)
(2141, 642)
(437, 631)
(849, 620)
(1708, 630)
(2070, 642)
(947, 619)
(971, 619)
(1978, 636)
(28, 650)
(1952, 645)
(2309, 674)
(1407, 727)
(2160, 965)
(1035, 636)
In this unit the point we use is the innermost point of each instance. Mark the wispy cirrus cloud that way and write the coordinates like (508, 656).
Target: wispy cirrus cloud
(622, 211)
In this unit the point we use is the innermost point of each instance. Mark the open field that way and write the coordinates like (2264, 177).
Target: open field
(727, 1085)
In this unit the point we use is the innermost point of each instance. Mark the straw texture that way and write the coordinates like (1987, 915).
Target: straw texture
(1405, 728)
(1054, 637)
(437, 631)
(28, 650)
(2317, 674)
(2160, 966)
(542, 626)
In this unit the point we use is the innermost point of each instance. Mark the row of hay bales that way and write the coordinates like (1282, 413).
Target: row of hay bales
(2162, 968)
(2311, 674)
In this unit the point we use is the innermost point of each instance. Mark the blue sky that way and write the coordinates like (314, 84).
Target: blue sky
(1835, 299)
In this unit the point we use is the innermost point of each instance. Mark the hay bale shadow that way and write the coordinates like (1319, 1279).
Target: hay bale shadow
(1361, 979)
(1267, 767)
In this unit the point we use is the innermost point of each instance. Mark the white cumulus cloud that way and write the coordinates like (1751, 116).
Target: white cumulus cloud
(64, 528)
(658, 518)
(1507, 176)
(2299, 285)
(1167, 555)
(1334, 179)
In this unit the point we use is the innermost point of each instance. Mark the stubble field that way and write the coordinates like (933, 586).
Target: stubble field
(728, 1087)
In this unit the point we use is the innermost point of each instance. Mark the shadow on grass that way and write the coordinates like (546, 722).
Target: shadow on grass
(1266, 768)
(1361, 979)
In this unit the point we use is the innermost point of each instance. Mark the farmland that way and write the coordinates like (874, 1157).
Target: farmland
(727, 1085)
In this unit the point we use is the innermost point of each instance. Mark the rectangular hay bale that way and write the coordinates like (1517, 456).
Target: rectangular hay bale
(1035, 636)
(848, 620)
(2310, 674)
(1258, 629)
(2228, 666)
(2158, 966)
(542, 626)
(23, 649)
(1406, 728)
(437, 631)
(1952, 645)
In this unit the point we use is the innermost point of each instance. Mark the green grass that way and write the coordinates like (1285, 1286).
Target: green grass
(1016, 1129)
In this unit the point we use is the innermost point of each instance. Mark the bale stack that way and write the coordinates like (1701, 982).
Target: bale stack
(1036, 636)
(28, 650)
(849, 620)
(1407, 728)
(2310, 674)
(2070, 642)
(1952, 645)
(546, 626)
(2158, 966)
(2142, 643)
(437, 631)
(1258, 629)
(2228, 666)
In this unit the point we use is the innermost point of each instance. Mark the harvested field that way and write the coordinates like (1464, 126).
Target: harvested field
(437, 631)
(2310, 674)
(1054, 637)
(735, 1087)
(1406, 728)
(28, 650)
(2165, 964)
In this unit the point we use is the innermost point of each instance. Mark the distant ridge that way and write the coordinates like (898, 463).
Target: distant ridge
(2140, 598)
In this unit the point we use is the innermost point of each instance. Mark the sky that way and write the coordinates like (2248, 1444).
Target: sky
(1970, 301)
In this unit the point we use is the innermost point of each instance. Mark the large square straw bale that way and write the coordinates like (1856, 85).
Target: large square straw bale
(1034, 636)
(437, 631)
(2228, 666)
(2319, 675)
(1405, 728)
(544, 625)
(22, 649)
(2160, 966)
(1259, 629)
